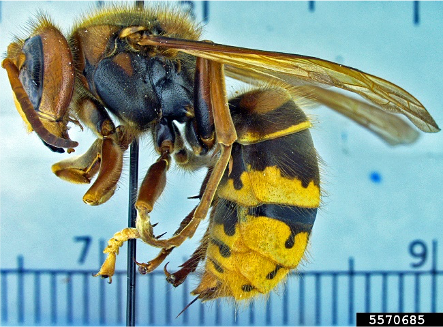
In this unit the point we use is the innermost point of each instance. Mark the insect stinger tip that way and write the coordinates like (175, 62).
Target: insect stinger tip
(188, 305)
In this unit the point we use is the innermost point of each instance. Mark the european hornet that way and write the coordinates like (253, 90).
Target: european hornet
(149, 68)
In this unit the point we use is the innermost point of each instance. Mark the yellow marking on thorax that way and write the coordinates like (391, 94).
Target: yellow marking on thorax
(254, 137)
(269, 186)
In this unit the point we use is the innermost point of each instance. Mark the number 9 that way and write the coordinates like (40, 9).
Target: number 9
(418, 249)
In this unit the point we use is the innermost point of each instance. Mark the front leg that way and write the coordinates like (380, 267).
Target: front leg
(104, 157)
(110, 170)
(80, 169)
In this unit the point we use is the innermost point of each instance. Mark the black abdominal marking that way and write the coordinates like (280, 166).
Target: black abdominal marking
(273, 273)
(225, 251)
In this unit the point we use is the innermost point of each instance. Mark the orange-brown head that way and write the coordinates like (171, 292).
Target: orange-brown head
(41, 73)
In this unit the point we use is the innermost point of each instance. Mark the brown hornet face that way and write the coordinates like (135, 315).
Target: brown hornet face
(41, 72)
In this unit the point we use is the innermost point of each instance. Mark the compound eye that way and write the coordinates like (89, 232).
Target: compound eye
(41, 73)
(31, 72)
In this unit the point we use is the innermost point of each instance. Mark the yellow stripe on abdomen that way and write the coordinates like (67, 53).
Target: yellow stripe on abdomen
(252, 137)
(269, 186)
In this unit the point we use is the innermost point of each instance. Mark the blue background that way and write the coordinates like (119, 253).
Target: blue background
(377, 199)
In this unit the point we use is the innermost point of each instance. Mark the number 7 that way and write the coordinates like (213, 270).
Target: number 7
(87, 242)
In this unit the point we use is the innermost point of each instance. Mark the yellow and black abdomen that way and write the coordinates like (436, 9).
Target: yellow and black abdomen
(267, 199)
